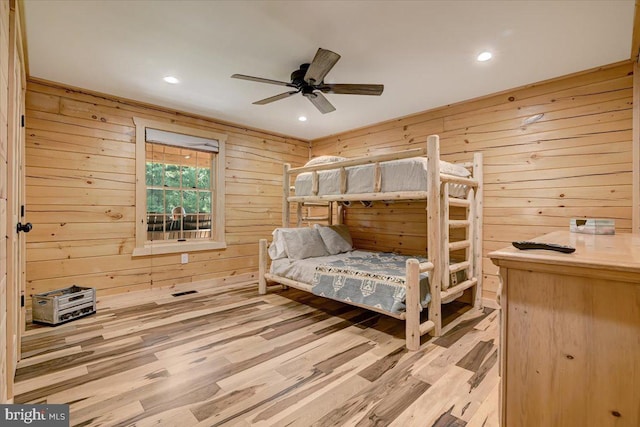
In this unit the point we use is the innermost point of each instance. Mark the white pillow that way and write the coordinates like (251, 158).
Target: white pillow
(301, 243)
(336, 238)
(453, 169)
(321, 160)
(276, 249)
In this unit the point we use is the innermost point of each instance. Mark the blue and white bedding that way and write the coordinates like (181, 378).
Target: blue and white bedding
(375, 281)
(371, 278)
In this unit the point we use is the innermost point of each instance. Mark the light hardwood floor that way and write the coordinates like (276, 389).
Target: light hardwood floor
(228, 356)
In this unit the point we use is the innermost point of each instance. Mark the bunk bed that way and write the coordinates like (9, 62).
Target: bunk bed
(375, 178)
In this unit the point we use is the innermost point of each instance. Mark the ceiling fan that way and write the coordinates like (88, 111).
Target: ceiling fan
(309, 79)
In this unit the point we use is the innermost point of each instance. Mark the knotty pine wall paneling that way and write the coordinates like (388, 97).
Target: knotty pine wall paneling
(576, 161)
(81, 194)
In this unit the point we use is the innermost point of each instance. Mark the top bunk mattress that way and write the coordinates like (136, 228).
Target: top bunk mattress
(397, 175)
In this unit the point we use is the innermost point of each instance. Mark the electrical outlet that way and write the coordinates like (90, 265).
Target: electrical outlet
(184, 258)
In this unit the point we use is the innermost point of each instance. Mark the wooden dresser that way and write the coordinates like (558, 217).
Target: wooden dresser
(570, 332)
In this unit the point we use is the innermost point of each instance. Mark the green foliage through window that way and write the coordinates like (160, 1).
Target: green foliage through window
(173, 185)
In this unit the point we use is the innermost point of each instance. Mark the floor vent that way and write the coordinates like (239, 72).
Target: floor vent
(179, 294)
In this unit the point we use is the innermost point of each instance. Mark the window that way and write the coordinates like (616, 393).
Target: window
(179, 185)
(179, 190)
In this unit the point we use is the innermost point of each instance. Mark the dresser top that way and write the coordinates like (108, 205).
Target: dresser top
(619, 252)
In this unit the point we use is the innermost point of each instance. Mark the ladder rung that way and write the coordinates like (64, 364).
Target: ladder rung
(317, 204)
(426, 327)
(459, 223)
(459, 287)
(315, 218)
(454, 246)
(426, 266)
(458, 266)
(451, 297)
(462, 203)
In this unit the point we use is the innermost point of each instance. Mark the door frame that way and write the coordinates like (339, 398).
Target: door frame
(16, 242)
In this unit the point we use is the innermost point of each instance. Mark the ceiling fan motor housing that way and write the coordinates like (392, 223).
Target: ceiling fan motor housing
(297, 77)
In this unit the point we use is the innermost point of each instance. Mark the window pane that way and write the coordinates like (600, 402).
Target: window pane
(204, 169)
(188, 177)
(172, 155)
(204, 178)
(204, 202)
(204, 222)
(155, 202)
(155, 153)
(173, 200)
(154, 173)
(190, 201)
(172, 176)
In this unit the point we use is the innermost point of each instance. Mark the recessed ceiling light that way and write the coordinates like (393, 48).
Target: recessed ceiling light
(171, 79)
(484, 56)
(302, 118)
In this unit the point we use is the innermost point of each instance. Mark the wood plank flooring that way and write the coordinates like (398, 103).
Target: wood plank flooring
(228, 356)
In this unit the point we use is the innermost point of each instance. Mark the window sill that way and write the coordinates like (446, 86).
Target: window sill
(177, 247)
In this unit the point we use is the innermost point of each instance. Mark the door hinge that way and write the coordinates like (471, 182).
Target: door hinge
(21, 300)
(22, 120)
(22, 211)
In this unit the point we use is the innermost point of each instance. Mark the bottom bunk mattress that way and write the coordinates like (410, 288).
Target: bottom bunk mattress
(374, 279)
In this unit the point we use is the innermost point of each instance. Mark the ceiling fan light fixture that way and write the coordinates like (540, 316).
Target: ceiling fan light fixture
(302, 118)
(171, 80)
(484, 56)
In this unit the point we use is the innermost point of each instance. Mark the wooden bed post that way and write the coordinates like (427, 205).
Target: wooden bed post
(433, 231)
(471, 237)
(286, 182)
(412, 319)
(478, 175)
(299, 214)
(262, 267)
(445, 237)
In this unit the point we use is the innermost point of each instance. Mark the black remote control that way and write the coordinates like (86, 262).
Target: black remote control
(549, 246)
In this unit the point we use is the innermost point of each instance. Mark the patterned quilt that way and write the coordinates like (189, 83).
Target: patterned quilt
(376, 281)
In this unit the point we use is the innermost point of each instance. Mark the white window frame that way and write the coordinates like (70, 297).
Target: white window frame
(146, 247)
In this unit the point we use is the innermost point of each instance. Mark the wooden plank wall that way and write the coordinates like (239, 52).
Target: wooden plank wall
(4, 109)
(576, 161)
(80, 194)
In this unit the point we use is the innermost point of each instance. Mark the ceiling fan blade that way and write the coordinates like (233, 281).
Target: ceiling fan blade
(322, 63)
(320, 102)
(351, 89)
(275, 98)
(261, 80)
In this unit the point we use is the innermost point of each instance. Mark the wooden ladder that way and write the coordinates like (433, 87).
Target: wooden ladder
(451, 291)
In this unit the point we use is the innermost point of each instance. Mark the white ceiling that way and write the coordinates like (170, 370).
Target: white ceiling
(422, 51)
